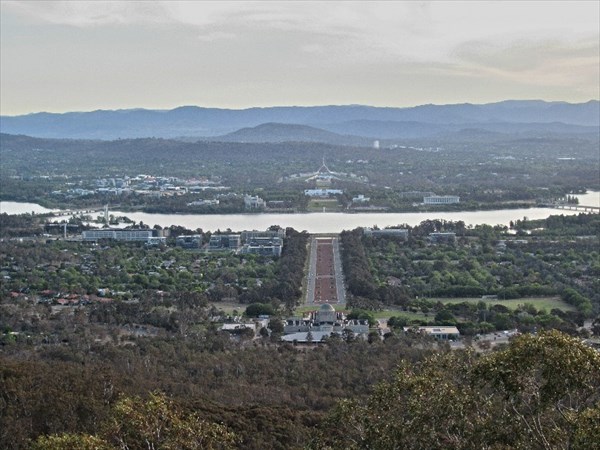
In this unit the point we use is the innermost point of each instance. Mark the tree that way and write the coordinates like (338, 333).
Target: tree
(547, 386)
(309, 337)
(445, 317)
(136, 424)
(259, 309)
(348, 335)
(275, 325)
(71, 442)
(158, 423)
(425, 407)
(541, 392)
(361, 314)
(397, 322)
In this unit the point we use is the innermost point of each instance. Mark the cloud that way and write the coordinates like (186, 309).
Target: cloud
(549, 62)
(215, 36)
(275, 52)
(88, 13)
(409, 31)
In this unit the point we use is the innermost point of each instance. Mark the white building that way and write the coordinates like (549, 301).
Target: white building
(118, 235)
(255, 202)
(322, 192)
(213, 202)
(441, 200)
(361, 199)
(441, 333)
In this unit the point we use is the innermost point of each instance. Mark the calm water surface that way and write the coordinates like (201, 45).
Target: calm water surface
(323, 222)
(23, 208)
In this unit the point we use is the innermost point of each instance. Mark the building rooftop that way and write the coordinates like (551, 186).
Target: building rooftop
(436, 330)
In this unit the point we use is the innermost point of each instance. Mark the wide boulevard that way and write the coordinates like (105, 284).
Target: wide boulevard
(325, 276)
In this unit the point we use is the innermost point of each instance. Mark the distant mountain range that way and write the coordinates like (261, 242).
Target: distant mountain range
(347, 125)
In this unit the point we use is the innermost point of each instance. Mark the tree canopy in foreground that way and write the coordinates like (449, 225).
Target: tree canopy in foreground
(541, 392)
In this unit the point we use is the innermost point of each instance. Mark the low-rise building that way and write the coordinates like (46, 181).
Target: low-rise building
(155, 241)
(262, 249)
(441, 333)
(224, 242)
(189, 241)
(117, 234)
(252, 235)
(213, 202)
(361, 199)
(265, 243)
(441, 200)
(324, 193)
(253, 202)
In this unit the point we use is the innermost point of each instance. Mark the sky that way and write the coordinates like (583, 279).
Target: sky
(60, 56)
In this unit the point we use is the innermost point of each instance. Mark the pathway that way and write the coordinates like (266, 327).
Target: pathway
(325, 276)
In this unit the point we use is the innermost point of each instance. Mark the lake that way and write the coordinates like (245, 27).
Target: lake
(323, 222)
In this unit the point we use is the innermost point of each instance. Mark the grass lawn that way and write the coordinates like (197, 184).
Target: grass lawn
(330, 205)
(387, 313)
(547, 303)
(229, 307)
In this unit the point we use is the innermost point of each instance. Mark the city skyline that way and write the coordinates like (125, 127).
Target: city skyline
(81, 56)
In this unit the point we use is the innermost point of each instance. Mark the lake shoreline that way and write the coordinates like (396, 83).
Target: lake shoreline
(98, 210)
(316, 222)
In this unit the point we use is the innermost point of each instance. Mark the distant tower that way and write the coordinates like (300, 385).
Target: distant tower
(106, 213)
(376, 145)
(65, 231)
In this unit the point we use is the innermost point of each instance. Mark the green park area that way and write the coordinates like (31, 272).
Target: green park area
(325, 204)
(540, 303)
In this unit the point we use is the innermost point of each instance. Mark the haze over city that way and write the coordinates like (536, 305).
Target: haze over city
(81, 56)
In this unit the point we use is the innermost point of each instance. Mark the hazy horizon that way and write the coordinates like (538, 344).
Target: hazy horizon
(133, 108)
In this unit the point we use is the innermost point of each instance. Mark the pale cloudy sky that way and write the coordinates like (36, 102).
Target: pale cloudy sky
(78, 56)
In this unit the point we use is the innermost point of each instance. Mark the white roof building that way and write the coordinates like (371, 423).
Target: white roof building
(441, 200)
(441, 333)
(322, 192)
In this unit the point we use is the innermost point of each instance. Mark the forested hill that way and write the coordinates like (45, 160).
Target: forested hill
(533, 161)
(207, 122)
(279, 132)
